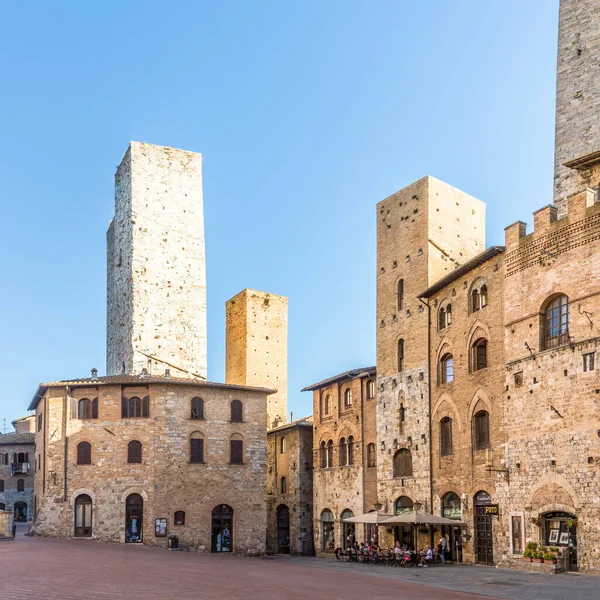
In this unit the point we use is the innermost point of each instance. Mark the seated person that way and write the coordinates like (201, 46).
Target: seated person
(426, 557)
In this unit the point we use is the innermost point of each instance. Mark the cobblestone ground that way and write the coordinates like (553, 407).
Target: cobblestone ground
(34, 568)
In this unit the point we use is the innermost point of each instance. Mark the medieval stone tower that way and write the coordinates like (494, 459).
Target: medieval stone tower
(577, 149)
(424, 232)
(256, 347)
(156, 286)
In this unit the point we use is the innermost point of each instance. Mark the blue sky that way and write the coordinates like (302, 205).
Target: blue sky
(307, 114)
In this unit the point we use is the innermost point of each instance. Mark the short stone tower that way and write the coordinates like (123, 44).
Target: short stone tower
(156, 287)
(256, 347)
(577, 149)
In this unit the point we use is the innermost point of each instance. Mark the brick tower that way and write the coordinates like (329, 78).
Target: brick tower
(424, 232)
(577, 145)
(256, 347)
(156, 284)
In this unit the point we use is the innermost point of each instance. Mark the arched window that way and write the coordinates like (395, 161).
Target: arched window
(479, 295)
(179, 517)
(236, 445)
(134, 452)
(236, 411)
(197, 405)
(282, 445)
(84, 453)
(403, 505)
(451, 506)
(479, 354)
(447, 368)
(283, 485)
(446, 436)
(134, 407)
(350, 449)
(475, 301)
(348, 530)
(87, 409)
(481, 424)
(400, 356)
(20, 485)
(370, 389)
(371, 456)
(403, 463)
(196, 447)
(83, 516)
(400, 292)
(343, 456)
(323, 455)
(442, 318)
(327, 405)
(348, 398)
(327, 530)
(556, 323)
(330, 453)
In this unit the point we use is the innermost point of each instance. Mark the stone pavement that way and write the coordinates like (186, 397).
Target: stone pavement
(477, 579)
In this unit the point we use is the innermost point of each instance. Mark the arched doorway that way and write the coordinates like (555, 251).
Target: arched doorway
(222, 529)
(451, 509)
(559, 529)
(348, 530)
(20, 510)
(83, 516)
(283, 529)
(134, 516)
(484, 540)
(327, 531)
(405, 534)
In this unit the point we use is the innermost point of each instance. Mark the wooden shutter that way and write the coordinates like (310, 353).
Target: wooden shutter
(237, 452)
(124, 408)
(197, 450)
(95, 408)
(84, 453)
(197, 408)
(146, 406)
(236, 411)
(20, 485)
(134, 452)
(73, 408)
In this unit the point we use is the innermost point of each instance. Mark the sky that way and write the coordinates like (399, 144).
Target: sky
(307, 114)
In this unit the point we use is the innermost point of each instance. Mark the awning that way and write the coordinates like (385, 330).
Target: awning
(415, 517)
(370, 517)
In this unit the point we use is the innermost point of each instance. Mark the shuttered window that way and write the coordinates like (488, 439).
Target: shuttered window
(403, 463)
(197, 408)
(20, 485)
(84, 453)
(482, 430)
(134, 452)
(237, 452)
(480, 354)
(196, 450)
(134, 407)
(446, 436)
(236, 411)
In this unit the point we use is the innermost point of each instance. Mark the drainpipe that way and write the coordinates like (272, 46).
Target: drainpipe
(429, 402)
(66, 457)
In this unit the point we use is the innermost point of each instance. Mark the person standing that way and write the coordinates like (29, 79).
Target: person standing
(443, 546)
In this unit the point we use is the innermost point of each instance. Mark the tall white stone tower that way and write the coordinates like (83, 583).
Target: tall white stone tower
(156, 283)
(577, 146)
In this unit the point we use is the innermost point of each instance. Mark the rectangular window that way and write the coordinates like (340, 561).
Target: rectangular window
(517, 536)
(588, 361)
(519, 379)
(237, 452)
(196, 450)
(39, 421)
(401, 417)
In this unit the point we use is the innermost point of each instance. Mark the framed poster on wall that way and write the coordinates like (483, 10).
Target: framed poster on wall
(553, 539)
(564, 538)
(160, 527)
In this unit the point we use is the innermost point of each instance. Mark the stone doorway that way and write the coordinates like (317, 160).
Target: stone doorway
(20, 512)
(134, 513)
(83, 516)
(559, 530)
(222, 529)
(484, 541)
(283, 529)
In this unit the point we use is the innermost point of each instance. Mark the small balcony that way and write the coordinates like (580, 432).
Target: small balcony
(19, 468)
(554, 341)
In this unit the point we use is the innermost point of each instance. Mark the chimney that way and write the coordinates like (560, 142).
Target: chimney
(167, 373)
(94, 373)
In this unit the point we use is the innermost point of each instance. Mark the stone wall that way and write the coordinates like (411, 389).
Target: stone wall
(577, 100)
(166, 479)
(293, 462)
(256, 347)
(156, 285)
(11, 495)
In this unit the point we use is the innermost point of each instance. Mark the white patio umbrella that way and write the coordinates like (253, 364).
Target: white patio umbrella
(373, 518)
(414, 517)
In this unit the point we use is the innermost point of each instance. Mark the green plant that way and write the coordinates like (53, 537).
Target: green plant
(531, 546)
(539, 555)
(548, 556)
(528, 554)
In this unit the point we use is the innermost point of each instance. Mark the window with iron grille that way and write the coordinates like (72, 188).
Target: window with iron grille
(84, 453)
(446, 436)
(134, 452)
(197, 408)
(482, 430)
(196, 448)
(237, 452)
(236, 411)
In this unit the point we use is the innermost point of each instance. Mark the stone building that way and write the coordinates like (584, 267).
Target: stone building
(344, 456)
(17, 467)
(290, 488)
(132, 458)
(152, 448)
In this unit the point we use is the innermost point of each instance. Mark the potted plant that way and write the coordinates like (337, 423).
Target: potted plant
(550, 558)
(536, 521)
(528, 555)
(538, 557)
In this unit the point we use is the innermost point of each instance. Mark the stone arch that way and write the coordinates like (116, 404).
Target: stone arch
(444, 347)
(81, 492)
(485, 486)
(480, 401)
(478, 330)
(134, 490)
(551, 480)
(440, 411)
